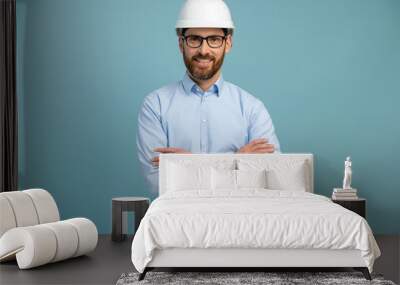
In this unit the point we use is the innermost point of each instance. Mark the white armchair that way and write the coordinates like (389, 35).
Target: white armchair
(31, 230)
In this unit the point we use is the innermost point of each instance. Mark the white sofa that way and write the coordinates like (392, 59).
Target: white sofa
(31, 231)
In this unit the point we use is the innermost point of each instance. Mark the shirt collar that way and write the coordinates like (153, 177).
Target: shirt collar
(189, 85)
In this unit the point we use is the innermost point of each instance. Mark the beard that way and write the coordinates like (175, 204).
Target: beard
(203, 73)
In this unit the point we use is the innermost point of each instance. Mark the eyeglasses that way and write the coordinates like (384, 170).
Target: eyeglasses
(194, 41)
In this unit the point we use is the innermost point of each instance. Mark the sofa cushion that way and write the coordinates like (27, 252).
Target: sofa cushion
(7, 215)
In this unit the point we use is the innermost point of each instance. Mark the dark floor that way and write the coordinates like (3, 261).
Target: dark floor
(111, 259)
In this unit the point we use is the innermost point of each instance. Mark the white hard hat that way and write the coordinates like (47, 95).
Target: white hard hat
(205, 14)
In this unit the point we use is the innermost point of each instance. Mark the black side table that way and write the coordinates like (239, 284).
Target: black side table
(357, 206)
(120, 207)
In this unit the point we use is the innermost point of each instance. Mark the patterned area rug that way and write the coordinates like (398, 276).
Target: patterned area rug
(275, 278)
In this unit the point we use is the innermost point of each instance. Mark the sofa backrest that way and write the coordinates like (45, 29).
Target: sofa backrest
(232, 161)
(26, 208)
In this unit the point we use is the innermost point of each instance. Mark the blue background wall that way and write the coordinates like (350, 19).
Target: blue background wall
(328, 72)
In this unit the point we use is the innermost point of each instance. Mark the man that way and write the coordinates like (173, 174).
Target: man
(202, 113)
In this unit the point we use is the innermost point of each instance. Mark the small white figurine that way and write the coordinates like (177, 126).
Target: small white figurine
(347, 174)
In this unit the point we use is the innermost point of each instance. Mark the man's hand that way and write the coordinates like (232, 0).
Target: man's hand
(257, 146)
(156, 160)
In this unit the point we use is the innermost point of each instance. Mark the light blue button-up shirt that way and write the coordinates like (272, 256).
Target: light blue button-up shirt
(219, 120)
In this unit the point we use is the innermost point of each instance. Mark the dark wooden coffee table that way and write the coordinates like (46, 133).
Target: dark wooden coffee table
(120, 208)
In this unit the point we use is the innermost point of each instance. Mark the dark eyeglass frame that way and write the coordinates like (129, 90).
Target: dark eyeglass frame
(204, 38)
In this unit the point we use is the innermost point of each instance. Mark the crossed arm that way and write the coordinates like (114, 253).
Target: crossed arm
(255, 146)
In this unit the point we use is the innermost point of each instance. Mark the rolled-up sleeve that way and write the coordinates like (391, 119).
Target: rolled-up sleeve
(150, 135)
(261, 125)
